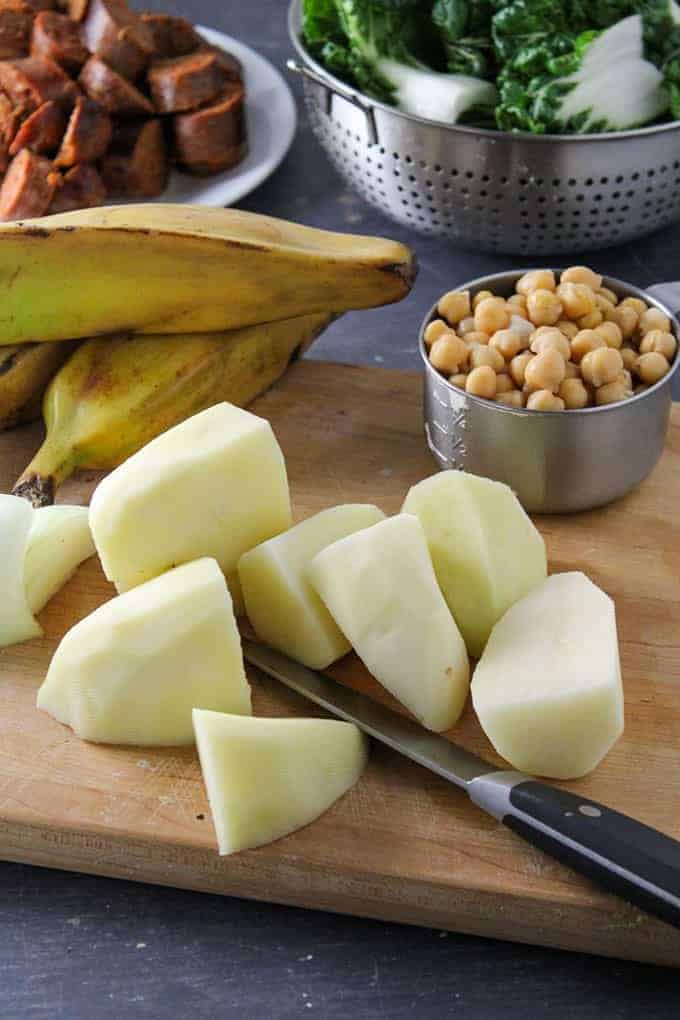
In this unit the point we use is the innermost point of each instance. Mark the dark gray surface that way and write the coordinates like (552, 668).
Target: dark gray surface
(77, 947)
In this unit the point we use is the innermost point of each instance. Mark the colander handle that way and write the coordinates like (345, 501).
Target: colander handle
(331, 89)
(668, 293)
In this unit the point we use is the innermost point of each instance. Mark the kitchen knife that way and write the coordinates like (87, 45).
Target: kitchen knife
(623, 855)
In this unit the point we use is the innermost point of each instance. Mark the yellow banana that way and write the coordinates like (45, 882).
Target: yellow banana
(183, 269)
(25, 370)
(117, 393)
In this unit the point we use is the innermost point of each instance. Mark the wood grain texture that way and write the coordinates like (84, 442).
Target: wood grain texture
(402, 845)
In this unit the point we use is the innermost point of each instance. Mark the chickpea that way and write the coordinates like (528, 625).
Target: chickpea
(651, 367)
(657, 340)
(586, 340)
(551, 339)
(640, 388)
(536, 279)
(545, 400)
(458, 380)
(611, 393)
(573, 371)
(625, 317)
(504, 384)
(581, 274)
(481, 295)
(577, 299)
(570, 329)
(604, 305)
(544, 307)
(574, 394)
(466, 325)
(626, 378)
(506, 342)
(591, 320)
(523, 328)
(454, 306)
(653, 318)
(492, 314)
(489, 356)
(610, 333)
(518, 300)
(601, 366)
(481, 382)
(629, 357)
(435, 329)
(472, 339)
(608, 295)
(518, 367)
(513, 398)
(545, 372)
(638, 306)
(449, 353)
(519, 311)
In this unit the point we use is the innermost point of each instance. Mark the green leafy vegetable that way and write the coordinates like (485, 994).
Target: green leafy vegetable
(465, 30)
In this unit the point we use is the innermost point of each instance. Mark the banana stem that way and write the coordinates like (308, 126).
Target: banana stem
(52, 464)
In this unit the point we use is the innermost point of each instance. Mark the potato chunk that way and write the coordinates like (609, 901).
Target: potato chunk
(58, 542)
(380, 587)
(17, 622)
(132, 671)
(486, 552)
(267, 777)
(547, 689)
(215, 485)
(281, 604)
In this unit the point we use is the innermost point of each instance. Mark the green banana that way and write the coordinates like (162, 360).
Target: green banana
(183, 269)
(25, 371)
(117, 393)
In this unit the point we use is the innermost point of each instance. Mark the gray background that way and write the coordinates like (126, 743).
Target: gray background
(78, 947)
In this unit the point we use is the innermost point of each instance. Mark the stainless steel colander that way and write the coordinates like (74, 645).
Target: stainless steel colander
(512, 193)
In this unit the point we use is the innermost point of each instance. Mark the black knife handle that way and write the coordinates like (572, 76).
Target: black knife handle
(633, 860)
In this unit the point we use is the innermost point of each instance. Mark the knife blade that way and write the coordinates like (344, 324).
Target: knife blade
(625, 856)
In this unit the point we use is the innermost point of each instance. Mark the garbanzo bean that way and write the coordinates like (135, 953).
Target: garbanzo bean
(458, 380)
(544, 307)
(659, 341)
(570, 329)
(465, 325)
(544, 400)
(586, 340)
(488, 356)
(581, 274)
(626, 378)
(577, 299)
(504, 384)
(545, 372)
(536, 279)
(481, 382)
(651, 367)
(625, 317)
(481, 295)
(435, 329)
(637, 304)
(573, 371)
(513, 398)
(609, 295)
(454, 306)
(640, 388)
(611, 393)
(601, 366)
(629, 356)
(519, 300)
(603, 304)
(519, 310)
(611, 334)
(523, 328)
(574, 394)
(449, 353)
(507, 343)
(591, 320)
(551, 338)
(518, 367)
(472, 339)
(654, 318)
(492, 314)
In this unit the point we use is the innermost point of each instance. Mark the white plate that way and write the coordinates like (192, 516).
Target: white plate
(271, 119)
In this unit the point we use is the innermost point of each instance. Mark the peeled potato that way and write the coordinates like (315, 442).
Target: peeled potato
(281, 604)
(486, 552)
(380, 588)
(215, 486)
(17, 622)
(58, 542)
(267, 777)
(547, 689)
(132, 671)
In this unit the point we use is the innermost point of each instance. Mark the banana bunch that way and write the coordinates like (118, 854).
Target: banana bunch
(182, 307)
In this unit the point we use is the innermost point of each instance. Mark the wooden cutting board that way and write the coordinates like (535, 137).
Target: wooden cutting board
(403, 845)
